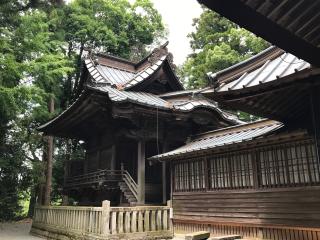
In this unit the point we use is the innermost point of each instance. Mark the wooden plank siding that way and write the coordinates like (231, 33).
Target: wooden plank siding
(292, 207)
(270, 192)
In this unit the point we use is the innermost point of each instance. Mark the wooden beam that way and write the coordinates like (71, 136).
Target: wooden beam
(243, 15)
(315, 111)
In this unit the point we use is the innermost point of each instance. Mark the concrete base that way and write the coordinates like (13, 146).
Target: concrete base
(52, 233)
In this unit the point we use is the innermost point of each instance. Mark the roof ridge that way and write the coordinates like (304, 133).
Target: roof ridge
(121, 59)
(156, 49)
(256, 60)
(118, 68)
(135, 63)
(147, 71)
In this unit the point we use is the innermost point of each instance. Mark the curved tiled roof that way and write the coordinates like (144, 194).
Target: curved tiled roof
(225, 136)
(125, 74)
(144, 74)
(152, 101)
(142, 98)
(123, 79)
(277, 65)
(114, 76)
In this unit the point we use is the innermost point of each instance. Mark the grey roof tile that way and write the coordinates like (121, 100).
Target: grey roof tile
(227, 136)
(283, 65)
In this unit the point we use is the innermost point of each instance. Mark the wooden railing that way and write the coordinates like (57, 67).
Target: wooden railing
(77, 219)
(94, 177)
(147, 222)
(102, 176)
(132, 185)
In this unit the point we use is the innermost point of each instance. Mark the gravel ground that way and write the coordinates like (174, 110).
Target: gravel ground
(16, 231)
(20, 231)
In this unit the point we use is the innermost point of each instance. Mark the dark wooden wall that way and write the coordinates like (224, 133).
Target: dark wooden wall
(289, 208)
(250, 205)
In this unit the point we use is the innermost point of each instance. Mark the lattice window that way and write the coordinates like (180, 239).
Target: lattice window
(230, 171)
(288, 164)
(189, 176)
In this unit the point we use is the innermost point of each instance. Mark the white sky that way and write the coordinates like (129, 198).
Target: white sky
(178, 15)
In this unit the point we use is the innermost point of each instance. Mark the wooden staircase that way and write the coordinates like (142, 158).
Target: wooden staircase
(126, 183)
(127, 193)
(129, 188)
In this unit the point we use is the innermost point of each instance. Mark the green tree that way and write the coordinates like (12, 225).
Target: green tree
(41, 46)
(111, 26)
(217, 43)
(20, 109)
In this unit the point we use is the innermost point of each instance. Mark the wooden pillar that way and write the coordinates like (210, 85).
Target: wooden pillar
(165, 149)
(164, 183)
(141, 171)
(113, 158)
(315, 112)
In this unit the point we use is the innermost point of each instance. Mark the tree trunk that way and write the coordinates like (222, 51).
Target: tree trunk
(47, 194)
(33, 196)
(41, 185)
(78, 69)
(65, 199)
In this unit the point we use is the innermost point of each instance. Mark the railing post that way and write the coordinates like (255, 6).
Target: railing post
(169, 204)
(105, 217)
(122, 168)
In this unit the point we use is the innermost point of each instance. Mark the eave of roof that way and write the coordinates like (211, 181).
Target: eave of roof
(252, 63)
(291, 25)
(223, 137)
(270, 70)
(143, 99)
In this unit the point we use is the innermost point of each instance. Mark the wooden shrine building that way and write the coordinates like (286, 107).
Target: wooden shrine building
(126, 112)
(260, 179)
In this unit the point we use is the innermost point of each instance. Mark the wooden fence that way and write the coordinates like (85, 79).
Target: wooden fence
(59, 222)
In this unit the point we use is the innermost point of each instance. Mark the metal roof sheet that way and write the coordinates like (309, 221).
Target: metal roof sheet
(114, 75)
(225, 136)
(282, 66)
(143, 74)
(136, 97)
(119, 77)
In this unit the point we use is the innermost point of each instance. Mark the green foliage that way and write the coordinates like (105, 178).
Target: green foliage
(111, 26)
(41, 46)
(21, 109)
(217, 44)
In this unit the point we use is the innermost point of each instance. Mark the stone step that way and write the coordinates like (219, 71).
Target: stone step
(202, 235)
(128, 193)
(227, 237)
